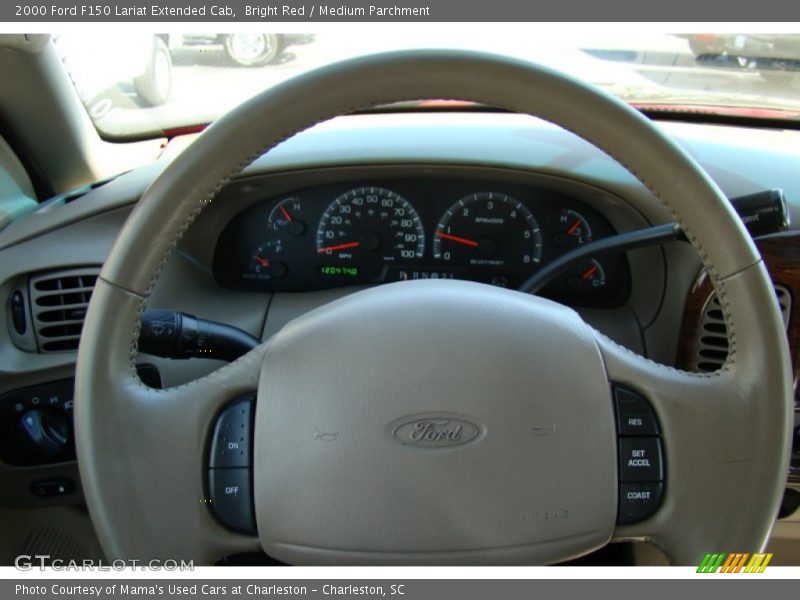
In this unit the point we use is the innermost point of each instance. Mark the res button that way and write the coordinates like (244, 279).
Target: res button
(634, 415)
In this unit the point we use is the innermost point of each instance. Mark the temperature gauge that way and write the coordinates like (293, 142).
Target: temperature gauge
(286, 225)
(288, 217)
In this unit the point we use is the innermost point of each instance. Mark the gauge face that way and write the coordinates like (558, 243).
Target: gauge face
(266, 261)
(288, 218)
(376, 231)
(371, 226)
(587, 276)
(285, 226)
(574, 230)
(489, 230)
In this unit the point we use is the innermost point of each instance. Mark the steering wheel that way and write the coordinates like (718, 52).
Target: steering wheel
(537, 479)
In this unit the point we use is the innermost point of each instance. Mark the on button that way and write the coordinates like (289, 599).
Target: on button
(230, 445)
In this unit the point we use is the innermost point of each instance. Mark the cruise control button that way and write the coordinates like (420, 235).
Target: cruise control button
(230, 445)
(231, 499)
(637, 501)
(634, 415)
(640, 459)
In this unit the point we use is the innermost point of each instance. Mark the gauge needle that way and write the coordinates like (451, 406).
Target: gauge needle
(285, 212)
(263, 261)
(571, 230)
(336, 247)
(589, 272)
(455, 238)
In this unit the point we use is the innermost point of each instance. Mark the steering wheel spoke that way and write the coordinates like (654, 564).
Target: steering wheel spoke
(715, 459)
(153, 480)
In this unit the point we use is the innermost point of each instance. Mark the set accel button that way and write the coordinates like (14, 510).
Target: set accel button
(640, 459)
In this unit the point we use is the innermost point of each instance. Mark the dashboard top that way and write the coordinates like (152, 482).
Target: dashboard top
(740, 160)
(433, 162)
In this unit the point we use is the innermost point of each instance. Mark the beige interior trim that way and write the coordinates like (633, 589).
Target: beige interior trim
(116, 415)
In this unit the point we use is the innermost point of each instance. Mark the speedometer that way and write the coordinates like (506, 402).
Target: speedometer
(370, 227)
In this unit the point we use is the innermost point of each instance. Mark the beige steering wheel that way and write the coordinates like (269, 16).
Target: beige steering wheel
(364, 500)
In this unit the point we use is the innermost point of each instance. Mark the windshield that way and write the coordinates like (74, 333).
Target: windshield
(138, 84)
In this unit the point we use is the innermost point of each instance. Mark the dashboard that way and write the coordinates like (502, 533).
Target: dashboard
(265, 250)
(377, 231)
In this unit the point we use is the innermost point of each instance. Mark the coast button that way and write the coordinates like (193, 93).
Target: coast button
(637, 501)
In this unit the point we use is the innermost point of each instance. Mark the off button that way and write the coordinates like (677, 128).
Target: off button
(640, 459)
(231, 498)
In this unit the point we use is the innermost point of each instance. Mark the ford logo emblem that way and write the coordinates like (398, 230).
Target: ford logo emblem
(434, 431)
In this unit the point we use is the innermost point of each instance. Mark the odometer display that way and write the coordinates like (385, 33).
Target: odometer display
(337, 271)
(371, 227)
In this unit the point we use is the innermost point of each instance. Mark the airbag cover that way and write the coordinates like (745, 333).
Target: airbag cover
(434, 422)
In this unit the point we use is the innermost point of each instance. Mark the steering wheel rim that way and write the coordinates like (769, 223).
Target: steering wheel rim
(127, 439)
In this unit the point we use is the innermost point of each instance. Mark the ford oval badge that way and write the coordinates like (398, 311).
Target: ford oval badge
(435, 431)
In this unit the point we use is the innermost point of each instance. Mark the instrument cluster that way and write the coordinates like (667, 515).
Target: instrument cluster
(394, 230)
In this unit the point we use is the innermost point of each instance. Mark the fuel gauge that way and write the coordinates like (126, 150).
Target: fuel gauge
(266, 263)
(264, 244)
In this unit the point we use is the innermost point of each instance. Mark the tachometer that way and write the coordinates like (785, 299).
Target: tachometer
(490, 231)
(371, 226)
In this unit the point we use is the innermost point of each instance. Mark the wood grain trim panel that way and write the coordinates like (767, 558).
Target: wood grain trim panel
(782, 256)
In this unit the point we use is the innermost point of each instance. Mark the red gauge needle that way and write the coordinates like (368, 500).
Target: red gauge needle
(455, 238)
(336, 247)
(571, 230)
(589, 272)
(263, 261)
(285, 212)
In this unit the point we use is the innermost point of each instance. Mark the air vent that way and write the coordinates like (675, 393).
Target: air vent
(58, 303)
(712, 346)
